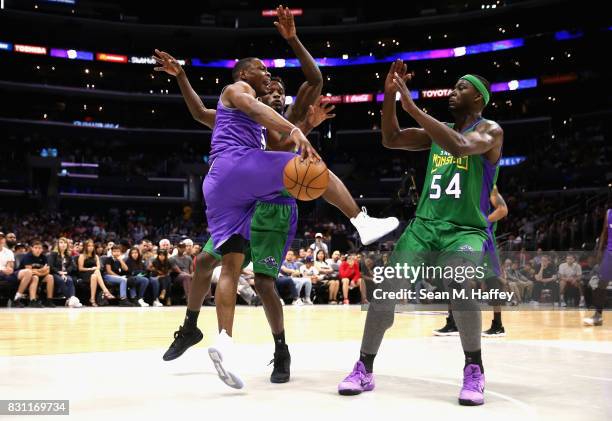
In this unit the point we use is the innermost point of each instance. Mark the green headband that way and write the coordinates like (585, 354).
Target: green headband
(479, 87)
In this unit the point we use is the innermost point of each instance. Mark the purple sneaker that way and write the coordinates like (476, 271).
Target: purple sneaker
(356, 382)
(472, 392)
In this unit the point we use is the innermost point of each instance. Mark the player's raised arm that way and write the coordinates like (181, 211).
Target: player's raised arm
(311, 89)
(198, 111)
(485, 138)
(499, 204)
(241, 95)
(412, 139)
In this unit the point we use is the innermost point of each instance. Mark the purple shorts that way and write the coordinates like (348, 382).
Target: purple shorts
(234, 184)
(491, 258)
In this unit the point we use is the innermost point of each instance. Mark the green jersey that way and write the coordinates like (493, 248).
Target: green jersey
(457, 189)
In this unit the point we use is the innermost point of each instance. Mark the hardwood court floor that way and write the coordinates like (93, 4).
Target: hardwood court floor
(107, 362)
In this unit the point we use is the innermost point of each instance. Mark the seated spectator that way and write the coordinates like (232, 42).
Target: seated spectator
(318, 245)
(288, 270)
(329, 275)
(197, 249)
(182, 267)
(164, 244)
(335, 260)
(62, 266)
(545, 278)
(20, 249)
(11, 241)
(21, 278)
(37, 263)
(88, 265)
(302, 255)
(188, 247)
(570, 274)
(137, 276)
(523, 284)
(367, 276)
(77, 249)
(351, 278)
(145, 246)
(115, 273)
(309, 275)
(246, 283)
(108, 248)
(100, 250)
(160, 269)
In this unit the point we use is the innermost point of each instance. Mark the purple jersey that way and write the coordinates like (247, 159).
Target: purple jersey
(605, 269)
(241, 174)
(234, 130)
(609, 245)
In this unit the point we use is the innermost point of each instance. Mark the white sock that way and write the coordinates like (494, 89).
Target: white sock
(18, 296)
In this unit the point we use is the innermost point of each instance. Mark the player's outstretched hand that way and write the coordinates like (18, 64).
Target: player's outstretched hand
(285, 23)
(401, 69)
(167, 63)
(319, 112)
(307, 151)
(405, 97)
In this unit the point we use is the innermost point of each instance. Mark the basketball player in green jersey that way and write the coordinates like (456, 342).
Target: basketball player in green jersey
(451, 216)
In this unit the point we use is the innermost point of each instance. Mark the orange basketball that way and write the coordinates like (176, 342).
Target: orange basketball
(305, 180)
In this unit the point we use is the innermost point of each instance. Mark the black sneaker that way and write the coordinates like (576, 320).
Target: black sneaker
(282, 365)
(124, 302)
(209, 302)
(17, 303)
(35, 304)
(183, 339)
(495, 330)
(49, 303)
(255, 301)
(449, 329)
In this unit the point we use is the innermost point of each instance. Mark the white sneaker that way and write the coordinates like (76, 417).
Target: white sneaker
(563, 303)
(73, 302)
(371, 229)
(221, 355)
(308, 302)
(298, 302)
(143, 303)
(582, 304)
(595, 320)
(156, 303)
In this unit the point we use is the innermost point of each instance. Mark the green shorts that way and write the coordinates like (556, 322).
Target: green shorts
(436, 242)
(273, 228)
(210, 249)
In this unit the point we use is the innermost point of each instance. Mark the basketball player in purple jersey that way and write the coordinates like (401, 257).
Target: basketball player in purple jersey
(307, 106)
(604, 255)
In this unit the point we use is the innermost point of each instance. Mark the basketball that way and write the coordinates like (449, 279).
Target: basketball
(305, 180)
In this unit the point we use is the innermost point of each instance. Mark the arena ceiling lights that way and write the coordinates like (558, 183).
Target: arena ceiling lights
(345, 60)
(370, 59)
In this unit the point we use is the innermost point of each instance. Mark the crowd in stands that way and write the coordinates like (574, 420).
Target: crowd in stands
(141, 273)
